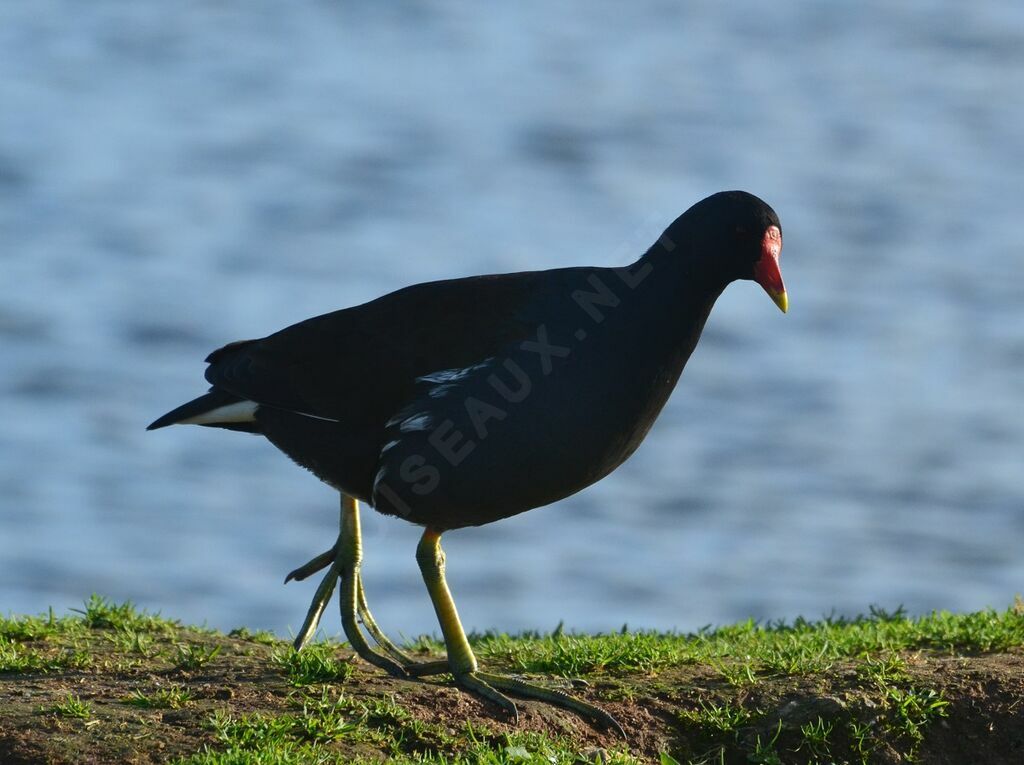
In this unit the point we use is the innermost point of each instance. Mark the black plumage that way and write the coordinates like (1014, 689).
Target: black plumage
(459, 402)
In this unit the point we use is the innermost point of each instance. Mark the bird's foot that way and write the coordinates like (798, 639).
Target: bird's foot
(353, 604)
(343, 562)
(393, 660)
(490, 686)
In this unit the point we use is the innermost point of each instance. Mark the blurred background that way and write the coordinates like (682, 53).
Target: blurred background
(173, 177)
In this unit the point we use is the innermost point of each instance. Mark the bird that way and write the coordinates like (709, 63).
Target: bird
(457, 403)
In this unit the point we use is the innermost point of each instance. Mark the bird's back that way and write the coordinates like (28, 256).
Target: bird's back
(327, 386)
(424, 400)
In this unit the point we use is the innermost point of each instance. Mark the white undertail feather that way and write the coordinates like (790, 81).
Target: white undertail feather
(240, 411)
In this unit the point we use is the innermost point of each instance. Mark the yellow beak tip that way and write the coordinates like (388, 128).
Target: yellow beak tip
(781, 299)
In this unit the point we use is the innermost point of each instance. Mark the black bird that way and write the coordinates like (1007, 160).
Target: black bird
(457, 403)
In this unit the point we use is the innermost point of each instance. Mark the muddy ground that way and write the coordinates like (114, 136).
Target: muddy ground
(981, 722)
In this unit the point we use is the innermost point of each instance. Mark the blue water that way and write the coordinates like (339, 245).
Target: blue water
(173, 177)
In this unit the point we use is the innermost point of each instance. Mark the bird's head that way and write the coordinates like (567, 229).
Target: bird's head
(738, 236)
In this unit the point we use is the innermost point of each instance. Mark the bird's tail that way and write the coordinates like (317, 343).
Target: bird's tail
(216, 408)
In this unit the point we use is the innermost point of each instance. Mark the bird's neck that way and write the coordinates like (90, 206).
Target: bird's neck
(677, 294)
(657, 322)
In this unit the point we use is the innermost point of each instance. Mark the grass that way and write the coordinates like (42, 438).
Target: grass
(885, 708)
(173, 697)
(720, 718)
(17, 657)
(843, 690)
(317, 663)
(742, 651)
(101, 613)
(190, 656)
(71, 706)
(261, 637)
(907, 710)
(815, 734)
(307, 736)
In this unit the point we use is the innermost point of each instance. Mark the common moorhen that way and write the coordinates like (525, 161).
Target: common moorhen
(457, 403)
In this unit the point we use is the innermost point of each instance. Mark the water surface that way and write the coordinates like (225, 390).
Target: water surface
(175, 178)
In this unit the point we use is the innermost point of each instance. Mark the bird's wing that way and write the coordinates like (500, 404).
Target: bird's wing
(360, 365)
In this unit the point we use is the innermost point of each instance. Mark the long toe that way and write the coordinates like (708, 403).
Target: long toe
(411, 665)
(321, 598)
(474, 682)
(367, 654)
(554, 697)
(350, 625)
(363, 611)
(321, 561)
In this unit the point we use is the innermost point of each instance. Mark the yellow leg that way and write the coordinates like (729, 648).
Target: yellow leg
(350, 530)
(345, 559)
(350, 557)
(461, 661)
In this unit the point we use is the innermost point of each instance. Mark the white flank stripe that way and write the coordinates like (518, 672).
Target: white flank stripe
(420, 421)
(240, 411)
(378, 478)
(454, 375)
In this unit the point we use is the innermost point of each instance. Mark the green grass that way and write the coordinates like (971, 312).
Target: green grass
(316, 663)
(742, 651)
(172, 697)
(19, 657)
(816, 736)
(101, 613)
(884, 708)
(261, 637)
(906, 710)
(189, 656)
(50, 643)
(71, 706)
(310, 735)
(720, 718)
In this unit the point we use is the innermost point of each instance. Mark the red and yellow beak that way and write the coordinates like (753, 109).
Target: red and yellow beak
(766, 270)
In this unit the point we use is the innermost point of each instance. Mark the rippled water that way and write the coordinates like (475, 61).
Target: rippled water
(172, 178)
